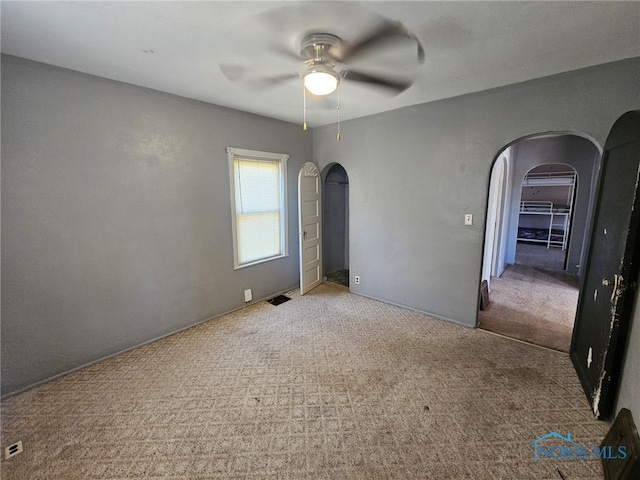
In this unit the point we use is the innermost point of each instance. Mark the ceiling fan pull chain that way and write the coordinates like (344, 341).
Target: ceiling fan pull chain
(338, 109)
(304, 108)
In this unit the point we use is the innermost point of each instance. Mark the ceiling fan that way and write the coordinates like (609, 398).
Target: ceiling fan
(325, 60)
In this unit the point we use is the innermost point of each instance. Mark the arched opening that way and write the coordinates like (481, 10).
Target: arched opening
(336, 224)
(541, 196)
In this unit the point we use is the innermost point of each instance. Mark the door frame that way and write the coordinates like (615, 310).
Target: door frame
(493, 259)
(307, 238)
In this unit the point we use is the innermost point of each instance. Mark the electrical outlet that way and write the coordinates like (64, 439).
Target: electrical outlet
(468, 219)
(13, 449)
(247, 295)
(357, 279)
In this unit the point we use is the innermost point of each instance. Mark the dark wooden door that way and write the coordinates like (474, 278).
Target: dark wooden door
(607, 293)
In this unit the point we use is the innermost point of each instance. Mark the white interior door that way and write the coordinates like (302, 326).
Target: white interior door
(309, 227)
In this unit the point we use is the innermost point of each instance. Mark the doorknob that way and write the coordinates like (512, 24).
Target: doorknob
(304, 235)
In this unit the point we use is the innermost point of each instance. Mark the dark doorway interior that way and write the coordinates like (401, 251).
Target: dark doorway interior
(336, 225)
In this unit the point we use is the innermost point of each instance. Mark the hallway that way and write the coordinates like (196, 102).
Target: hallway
(534, 305)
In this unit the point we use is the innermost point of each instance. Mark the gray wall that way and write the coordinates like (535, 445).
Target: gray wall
(116, 216)
(115, 205)
(572, 150)
(629, 393)
(415, 172)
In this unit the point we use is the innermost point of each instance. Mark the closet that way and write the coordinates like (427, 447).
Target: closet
(546, 205)
(335, 229)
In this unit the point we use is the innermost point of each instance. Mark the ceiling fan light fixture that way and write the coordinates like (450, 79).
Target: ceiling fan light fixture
(320, 80)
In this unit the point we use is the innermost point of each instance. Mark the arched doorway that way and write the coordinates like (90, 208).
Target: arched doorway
(528, 301)
(336, 224)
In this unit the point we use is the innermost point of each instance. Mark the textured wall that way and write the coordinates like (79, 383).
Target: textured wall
(116, 216)
(629, 392)
(415, 172)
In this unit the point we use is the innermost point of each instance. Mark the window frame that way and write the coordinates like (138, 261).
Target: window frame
(234, 153)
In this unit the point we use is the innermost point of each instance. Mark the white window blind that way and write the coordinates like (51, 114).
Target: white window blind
(258, 205)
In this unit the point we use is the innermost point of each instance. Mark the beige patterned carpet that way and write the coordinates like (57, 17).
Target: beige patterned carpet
(326, 386)
(534, 305)
(537, 255)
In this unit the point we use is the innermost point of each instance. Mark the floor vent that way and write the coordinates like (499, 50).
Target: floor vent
(12, 450)
(278, 300)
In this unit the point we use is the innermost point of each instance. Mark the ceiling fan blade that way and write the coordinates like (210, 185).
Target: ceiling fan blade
(239, 74)
(271, 81)
(285, 52)
(386, 31)
(232, 72)
(395, 85)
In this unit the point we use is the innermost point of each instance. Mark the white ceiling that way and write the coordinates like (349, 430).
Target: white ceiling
(178, 47)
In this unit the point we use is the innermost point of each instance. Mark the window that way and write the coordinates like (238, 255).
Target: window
(258, 205)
